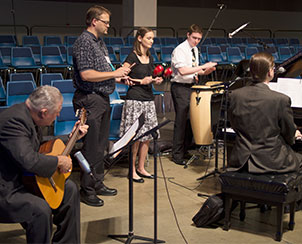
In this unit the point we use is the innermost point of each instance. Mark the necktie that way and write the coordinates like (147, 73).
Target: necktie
(193, 58)
(194, 64)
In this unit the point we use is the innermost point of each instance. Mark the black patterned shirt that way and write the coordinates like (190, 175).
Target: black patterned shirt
(91, 53)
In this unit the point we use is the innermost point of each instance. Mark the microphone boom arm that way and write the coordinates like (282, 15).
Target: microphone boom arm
(221, 7)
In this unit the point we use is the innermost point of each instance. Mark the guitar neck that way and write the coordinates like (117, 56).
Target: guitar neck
(72, 140)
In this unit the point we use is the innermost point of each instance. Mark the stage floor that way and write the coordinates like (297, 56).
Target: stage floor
(98, 222)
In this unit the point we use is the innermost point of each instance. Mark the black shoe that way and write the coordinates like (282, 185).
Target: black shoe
(179, 161)
(105, 191)
(91, 200)
(145, 176)
(140, 180)
(187, 156)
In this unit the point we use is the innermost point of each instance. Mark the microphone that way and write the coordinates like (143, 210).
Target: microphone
(237, 30)
(221, 6)
(280, 70)
(83, 163)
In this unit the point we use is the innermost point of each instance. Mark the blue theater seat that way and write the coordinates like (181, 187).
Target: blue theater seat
(18, 91)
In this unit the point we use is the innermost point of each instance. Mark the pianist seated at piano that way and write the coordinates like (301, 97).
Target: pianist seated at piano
(264, 124)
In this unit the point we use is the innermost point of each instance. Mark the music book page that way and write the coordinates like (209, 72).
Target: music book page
(127, 137)
(290, 87)
(117, 101)
(273, 86)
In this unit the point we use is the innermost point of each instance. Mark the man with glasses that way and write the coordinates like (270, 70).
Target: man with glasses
(94, 80)
(263, 122)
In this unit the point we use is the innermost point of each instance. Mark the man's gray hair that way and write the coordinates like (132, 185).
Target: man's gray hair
(45, 97)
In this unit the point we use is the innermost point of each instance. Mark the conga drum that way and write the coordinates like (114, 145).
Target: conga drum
(200, 114)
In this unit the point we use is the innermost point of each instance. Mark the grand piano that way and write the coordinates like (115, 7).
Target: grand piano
(292, 68)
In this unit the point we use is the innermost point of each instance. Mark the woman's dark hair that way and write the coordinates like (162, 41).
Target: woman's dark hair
(136, 45)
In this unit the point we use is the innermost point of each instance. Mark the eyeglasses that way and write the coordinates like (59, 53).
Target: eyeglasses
(105, 22)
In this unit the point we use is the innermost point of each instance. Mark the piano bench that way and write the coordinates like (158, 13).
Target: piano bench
(272, 189)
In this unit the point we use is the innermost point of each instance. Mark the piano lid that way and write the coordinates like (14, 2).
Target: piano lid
(292, 66)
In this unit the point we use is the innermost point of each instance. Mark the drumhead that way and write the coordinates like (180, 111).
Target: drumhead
(200, 87)
(211, 83)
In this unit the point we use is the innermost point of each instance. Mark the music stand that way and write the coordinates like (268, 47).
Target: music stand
(122, 144)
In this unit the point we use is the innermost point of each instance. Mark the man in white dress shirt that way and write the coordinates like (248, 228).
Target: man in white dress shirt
(186, 68)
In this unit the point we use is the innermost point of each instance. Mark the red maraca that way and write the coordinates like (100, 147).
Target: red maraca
(168, 72)
(158, 70)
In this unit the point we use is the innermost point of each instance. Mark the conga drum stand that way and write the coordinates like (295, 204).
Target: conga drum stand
(215, 171)
(223, 107)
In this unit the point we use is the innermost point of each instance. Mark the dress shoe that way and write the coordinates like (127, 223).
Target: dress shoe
(105, 191)
(179, 161)
(145, 176)
(187, 155)
(91, 200)
(140, 180)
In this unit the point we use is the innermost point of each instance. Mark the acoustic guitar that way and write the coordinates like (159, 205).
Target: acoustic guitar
(52, 189)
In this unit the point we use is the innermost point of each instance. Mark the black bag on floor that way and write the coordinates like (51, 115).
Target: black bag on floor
(211, 211)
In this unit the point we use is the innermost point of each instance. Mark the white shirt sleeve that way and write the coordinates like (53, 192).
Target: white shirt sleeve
(179, 58)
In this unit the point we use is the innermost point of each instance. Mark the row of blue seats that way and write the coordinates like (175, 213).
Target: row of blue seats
(44, 79)
(53, 56)
(24, 83)
(116, 46)
(225, 54)
(35, 57)
(10, 40)
(18, 90)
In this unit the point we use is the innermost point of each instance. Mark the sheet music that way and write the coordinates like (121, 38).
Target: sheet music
(117, 101)
(273, 86)
(290, 87)
(127, 137)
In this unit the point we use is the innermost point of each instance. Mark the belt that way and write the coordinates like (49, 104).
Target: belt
(183, 84)
(92, 92)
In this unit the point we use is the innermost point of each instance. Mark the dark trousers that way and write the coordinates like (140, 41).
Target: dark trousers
(182, 137)
(96, 140)
(67, 217)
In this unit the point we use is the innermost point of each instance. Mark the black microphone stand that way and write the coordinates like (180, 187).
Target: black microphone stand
(131, 236)
(226, 94)
(221, 7)
(14, 21)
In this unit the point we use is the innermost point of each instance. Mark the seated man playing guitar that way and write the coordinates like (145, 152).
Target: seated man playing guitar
(20, 138)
